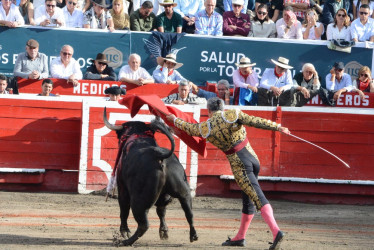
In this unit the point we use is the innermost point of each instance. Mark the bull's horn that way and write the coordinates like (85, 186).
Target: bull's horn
(108, 125)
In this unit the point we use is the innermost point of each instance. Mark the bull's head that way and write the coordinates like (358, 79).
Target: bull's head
(111, 126)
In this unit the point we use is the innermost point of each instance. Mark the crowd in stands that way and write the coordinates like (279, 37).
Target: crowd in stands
(291, 19)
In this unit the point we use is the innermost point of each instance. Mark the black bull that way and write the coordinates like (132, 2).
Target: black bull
(149, 175)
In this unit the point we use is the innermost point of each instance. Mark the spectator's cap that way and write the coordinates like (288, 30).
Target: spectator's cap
(171, 58)
(115, 90)
(101, 58)
(245, 62)
(168, 2)
(282, 62)
(338, 65)
(32, 43)
(238, 2)
(101, 3)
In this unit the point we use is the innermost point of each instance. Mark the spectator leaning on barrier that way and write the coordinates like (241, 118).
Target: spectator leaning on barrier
(337, 81)
(169, 20)
(223, 91)
(209, 22)
(73, 16)
(188, 10)
(312, 29)
(49, 15)
(307, 83)
(121, 19)
(362, 29)
(133, 73)
(3, 84)
(364, 83)
(10, 15)
(289, 27)
(47, 86)
(31, 64)
(166, 70)
(99, 70)
(236, 23)
(183, 96)
(276, 87)
(114, 93)
(97, 17)
(262, 25)
(66, 67)
(143, 19)
(340, 28)
(26, 8)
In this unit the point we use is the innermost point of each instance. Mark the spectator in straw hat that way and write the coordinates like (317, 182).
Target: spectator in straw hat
(114, 93)
(245, 82)
(276, 87)
(169, 20)
(166, 70)
(100, 69)
(97, 17)
(236, 23)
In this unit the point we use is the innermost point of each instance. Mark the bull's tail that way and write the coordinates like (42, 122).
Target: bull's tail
(158, 125)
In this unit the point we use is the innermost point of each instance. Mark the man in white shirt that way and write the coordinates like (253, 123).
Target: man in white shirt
(66, 67)
(362, 29)
(276, 86)
(337, 81)
(133, 73)
(73, 16)
(49, 15)
(289, 27)
(10, 15)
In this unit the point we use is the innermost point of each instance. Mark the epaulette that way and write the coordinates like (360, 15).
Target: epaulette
(231, 115)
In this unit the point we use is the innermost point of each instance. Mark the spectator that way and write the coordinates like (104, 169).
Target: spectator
(337, 81)
(114, 93)
(276, 85)
(47, 86)
(133, 73)
(99, 70)
(73, 16)
(3, 84)
(289, 27)
(330, 7)
(97, 17)
(262, 25)
(357, 4)
(312, 29)
(340, 28)
(235, 23)
(121, 19)
(219, 7)
(223, 91)
(228, 5)
(156, 9)
(274, 8)
(245, 79)
(143, 19)
(169, 20)
(298, 7)
(363, 83)
(362, 29)
(10, 15)
(307, 83)
(31, 64)
(188, 10)
(26, 8)
(166, 70)
(49, 15)
(183, 96)
(209, 22)
(66, 67)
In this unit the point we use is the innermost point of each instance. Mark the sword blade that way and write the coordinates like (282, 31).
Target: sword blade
(301, 139)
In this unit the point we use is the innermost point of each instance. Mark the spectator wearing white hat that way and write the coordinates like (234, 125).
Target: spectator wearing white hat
(236, 23)
(166, 71)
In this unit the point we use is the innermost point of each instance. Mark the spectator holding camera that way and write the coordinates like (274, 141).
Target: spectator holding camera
(312, 29)
(49, 15)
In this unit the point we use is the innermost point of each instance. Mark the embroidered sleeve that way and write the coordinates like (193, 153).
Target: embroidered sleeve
(230, 116)
(192, 129)
(257, 122)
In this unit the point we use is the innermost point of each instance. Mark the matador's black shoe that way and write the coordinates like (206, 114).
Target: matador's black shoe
(277, 241)
(234, 243)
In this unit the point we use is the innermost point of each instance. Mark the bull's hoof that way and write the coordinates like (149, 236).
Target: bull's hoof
(127, 243)
(193, 238)
(164, 234)
(126, 233)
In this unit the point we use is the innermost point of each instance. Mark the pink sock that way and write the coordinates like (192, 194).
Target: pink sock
(267, 214)
(244, 225)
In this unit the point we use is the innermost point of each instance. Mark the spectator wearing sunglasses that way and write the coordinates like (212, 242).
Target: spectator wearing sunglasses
(262, 25)
(99, 70)
(362, 29)
(337, 81)
(49, 15)
(98, 17)
(66, 67)
(274, 8)
(364, 82)
(236, 23)
(357, 4)
(340, 28)
(228, 5)
(331, 7)
(73, 16)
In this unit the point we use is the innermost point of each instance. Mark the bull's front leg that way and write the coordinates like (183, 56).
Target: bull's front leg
(163, 230)
(186, 204)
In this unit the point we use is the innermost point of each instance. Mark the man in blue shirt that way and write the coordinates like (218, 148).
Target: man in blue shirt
(337, 81)
(223, 91)
(209, 22)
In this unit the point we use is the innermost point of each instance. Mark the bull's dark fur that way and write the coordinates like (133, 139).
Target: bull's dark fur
(150, 175)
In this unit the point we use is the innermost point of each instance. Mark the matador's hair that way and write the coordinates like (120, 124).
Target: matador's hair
(215, 104)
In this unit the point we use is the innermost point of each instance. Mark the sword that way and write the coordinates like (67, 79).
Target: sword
(301, 139)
